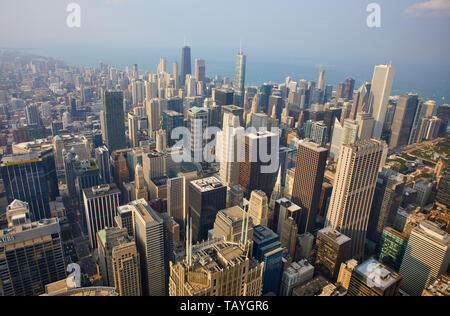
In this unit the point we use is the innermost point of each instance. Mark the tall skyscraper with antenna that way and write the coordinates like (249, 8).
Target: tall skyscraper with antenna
(185, 63)
(239, 79)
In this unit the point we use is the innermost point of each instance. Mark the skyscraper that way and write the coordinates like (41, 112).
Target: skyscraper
(388, 195)
(383, 77)
(170, 121)
(259, 208)
(226, 149)
(133, 130)
(392, 248)
(343, 135)
(309, 172)
(353, 191)
(251, 174)
(100, 205)
(32, 114)
(113, 120)
(321, 80)
(31, 178)
(239, 79)
(200, 70)
(231, 271)
(198, 121)
(103, 164)
(206, 198)
(233, 224)
(288, 235)
(427, 257)
(31, 254)
(119, 261)
(403, 120)
(349, 88)
(185, 63)
(150, 242)
(140, 187)
(267, 248)
(333, 249)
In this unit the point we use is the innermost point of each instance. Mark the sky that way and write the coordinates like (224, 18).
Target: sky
(275, 35)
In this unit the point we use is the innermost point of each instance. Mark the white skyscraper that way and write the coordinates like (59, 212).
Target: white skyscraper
(380, 92)
(343, 135)
(354, 187)
(227, 149)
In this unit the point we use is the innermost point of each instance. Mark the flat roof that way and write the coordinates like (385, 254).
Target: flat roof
(377, 274)
(207, 184)
(335, 235)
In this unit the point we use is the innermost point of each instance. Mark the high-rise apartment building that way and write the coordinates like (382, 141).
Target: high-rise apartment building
(353, 191)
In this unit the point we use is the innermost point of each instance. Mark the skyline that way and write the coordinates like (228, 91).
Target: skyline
(336, 36)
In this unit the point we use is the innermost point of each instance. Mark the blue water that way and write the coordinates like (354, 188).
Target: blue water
(429, 81)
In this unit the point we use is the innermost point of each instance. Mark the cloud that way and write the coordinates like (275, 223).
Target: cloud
(429, 8)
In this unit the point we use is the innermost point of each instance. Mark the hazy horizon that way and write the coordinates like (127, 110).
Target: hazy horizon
(280, 38)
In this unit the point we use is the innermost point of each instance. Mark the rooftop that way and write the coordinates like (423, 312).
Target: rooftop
(377, 274)
(207, 184)
(334, 235)
(101, 190)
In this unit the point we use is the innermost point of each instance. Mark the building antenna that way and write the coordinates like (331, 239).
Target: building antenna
(240, 46)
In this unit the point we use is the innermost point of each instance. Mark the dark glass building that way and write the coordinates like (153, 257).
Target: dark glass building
(31, 178)
(206, 198)
(113, 121)
(267, 248)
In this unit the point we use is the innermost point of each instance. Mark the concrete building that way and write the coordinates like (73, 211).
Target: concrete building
(296, 274)
(427, 257)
